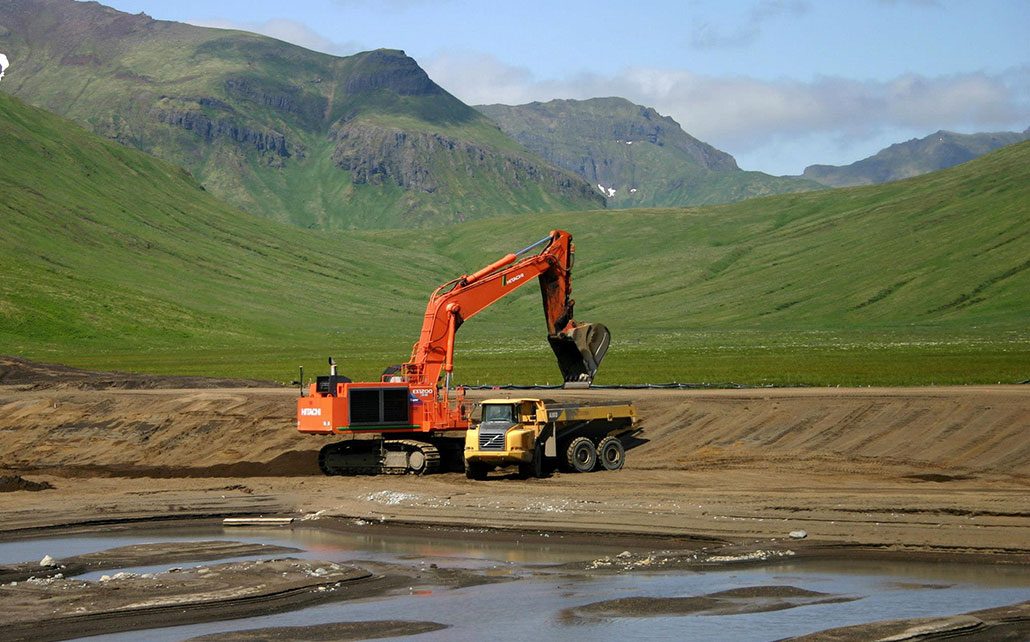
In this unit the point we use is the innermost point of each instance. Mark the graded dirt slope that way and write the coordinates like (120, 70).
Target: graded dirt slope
(940, 470)
(947, 432)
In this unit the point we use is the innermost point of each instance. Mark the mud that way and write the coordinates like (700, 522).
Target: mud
(756, 599)
(137, 555)
(50, 605)
(338, 632)
(1005, 624)
(75, 608)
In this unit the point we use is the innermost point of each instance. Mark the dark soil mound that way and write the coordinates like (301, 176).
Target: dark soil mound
(39, 376)
(11, 483)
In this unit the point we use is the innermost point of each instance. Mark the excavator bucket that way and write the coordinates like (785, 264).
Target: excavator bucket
(580, 352)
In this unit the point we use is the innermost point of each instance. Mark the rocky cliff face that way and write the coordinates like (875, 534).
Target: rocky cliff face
(633, 155)
(199, 123)
(424, 161)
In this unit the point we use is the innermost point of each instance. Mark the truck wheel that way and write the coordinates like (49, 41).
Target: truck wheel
(611, 454)
(475, 470)
(581, 455)
(534, 468)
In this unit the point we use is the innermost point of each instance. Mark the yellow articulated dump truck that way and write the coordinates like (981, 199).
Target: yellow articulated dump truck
(537, 435)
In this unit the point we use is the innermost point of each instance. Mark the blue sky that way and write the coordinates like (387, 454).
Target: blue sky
(780, 84)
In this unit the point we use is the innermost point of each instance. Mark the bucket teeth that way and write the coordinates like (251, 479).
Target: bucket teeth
(580, 351)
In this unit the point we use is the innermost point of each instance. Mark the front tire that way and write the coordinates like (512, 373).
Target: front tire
(475, 470)
(535, 467)
(581, 455)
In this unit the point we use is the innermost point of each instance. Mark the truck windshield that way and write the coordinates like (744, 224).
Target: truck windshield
(505, 412)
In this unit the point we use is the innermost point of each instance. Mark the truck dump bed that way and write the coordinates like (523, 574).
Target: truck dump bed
(563, 412)
(593, 420)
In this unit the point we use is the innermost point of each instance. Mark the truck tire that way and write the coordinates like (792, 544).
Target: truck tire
(581, 455)
(611, 454)
(534, 468)
(475, 470)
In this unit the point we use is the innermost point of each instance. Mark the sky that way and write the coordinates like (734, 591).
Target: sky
(779, 84)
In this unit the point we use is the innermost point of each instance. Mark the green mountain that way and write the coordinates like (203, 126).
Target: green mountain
(913, 158)
(106, 250)
(365, 141)
(111, 258)
(633, 155)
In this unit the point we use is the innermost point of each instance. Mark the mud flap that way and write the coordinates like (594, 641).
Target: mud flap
(580, 351)
(550, 442)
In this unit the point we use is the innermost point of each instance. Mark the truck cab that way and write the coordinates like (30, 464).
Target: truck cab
(507, 431)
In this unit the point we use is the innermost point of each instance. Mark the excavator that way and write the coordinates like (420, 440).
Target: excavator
(408, 421)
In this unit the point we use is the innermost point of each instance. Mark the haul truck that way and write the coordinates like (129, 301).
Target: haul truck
(536, 435)
(408, 422)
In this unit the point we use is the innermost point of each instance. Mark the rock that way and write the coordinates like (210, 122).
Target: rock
(799, 534)
(47, 561)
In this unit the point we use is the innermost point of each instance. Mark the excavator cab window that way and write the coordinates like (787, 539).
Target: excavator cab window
(499, 413)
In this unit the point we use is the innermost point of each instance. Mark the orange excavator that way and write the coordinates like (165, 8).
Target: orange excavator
(408, 422)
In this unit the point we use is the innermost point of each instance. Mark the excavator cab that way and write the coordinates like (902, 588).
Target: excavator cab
(579, 352)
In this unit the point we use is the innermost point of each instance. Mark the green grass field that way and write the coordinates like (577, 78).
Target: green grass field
(112, 259)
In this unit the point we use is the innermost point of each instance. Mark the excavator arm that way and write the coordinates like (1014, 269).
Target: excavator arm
(578, 347)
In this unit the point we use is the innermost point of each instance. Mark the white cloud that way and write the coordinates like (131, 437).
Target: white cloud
(707, 35)
(289, 31)
(742, 115)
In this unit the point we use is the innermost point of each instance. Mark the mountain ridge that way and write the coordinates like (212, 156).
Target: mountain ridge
(253, 119)
(914, 157)
(633, 155)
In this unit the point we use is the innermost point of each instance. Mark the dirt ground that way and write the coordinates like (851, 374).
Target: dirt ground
(940, 472)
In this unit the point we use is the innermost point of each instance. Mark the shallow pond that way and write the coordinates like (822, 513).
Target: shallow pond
(538, 604)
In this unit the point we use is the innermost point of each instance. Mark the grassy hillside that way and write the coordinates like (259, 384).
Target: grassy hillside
(922, 281)
(112, 256)
(634, 155)
(113, 259)
(365, 141)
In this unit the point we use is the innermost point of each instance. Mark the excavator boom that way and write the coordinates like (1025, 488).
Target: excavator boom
(578, 347)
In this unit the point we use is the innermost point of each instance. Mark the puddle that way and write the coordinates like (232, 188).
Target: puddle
(538, 605)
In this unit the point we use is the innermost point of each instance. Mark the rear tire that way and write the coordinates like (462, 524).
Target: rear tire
(611, 454)
(581, 455)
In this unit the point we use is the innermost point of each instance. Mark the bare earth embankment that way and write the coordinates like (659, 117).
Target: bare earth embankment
(925, 472)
